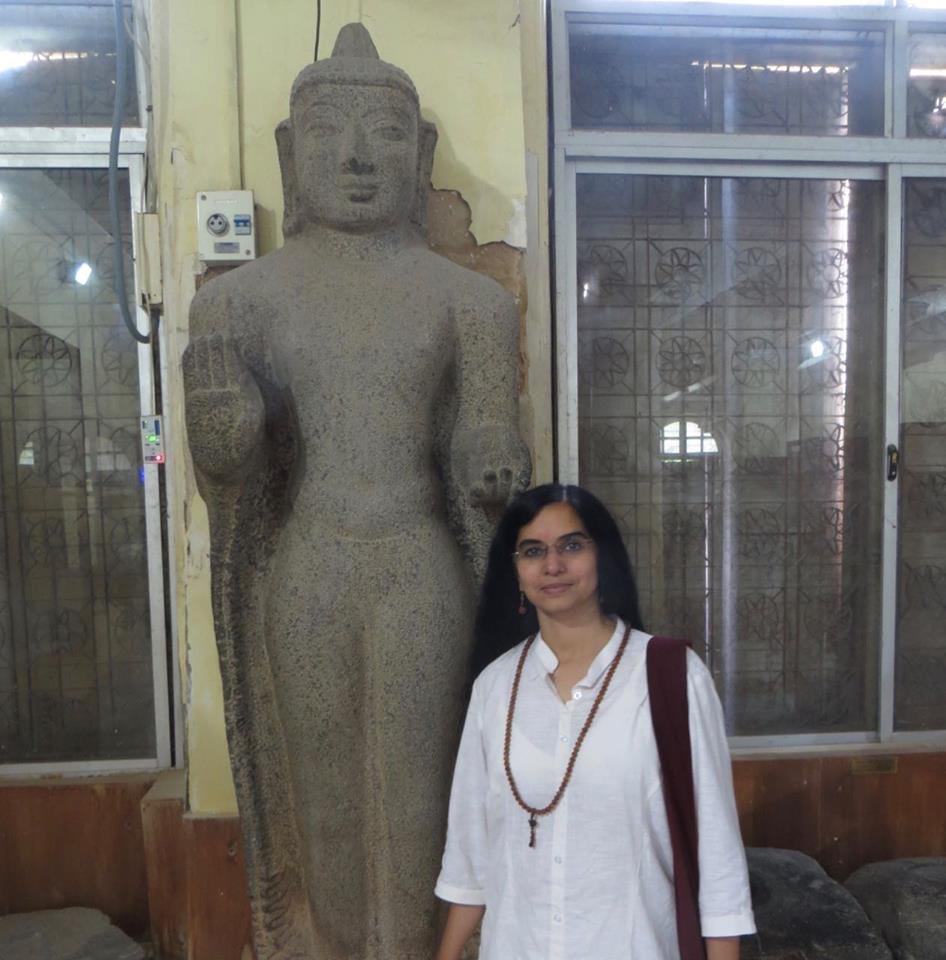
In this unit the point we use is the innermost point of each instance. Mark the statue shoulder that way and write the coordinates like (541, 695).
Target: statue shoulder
(475, 293)
(233, 298)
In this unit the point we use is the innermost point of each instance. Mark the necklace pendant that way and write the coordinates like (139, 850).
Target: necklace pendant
(533, 823)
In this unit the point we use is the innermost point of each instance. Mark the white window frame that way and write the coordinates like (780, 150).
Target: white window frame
(892, 158)
(88, 148)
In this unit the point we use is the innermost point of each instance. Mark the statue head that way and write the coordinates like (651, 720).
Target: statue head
(355, 154)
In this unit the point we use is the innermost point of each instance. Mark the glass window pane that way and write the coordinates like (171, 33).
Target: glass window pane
(57, 66)
(921, 643)
(75, 643)
(730, 336)
(726, 80)
(926, 87)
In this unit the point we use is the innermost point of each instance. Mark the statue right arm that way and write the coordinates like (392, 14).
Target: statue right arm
(224, 407)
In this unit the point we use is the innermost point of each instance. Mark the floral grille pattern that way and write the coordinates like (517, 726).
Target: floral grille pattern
(742, 319)
(921, 648)
(75, 649)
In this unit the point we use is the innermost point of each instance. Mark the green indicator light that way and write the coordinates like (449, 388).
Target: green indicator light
(153, 438)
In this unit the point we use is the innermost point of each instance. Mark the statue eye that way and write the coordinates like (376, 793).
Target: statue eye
(391, 132)
(322, 128)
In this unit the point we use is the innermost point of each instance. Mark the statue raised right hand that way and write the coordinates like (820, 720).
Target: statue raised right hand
(225, 411)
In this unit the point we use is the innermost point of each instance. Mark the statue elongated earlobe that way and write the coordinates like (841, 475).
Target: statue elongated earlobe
(426, 143)
(292, 210)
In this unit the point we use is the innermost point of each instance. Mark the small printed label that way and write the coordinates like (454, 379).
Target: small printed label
(865, 766)
(226, 248)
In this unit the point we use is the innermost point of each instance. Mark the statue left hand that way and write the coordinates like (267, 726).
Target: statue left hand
(492, 465)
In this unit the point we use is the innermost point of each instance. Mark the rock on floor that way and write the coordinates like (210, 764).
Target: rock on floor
(906, 900)
(802, 914)
(76, 933)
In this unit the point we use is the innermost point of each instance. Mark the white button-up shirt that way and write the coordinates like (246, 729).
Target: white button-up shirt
(598, 884)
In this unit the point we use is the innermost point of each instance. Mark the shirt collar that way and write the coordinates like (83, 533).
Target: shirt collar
(543, 661)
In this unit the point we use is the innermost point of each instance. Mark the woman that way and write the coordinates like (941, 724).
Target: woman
(557, 828)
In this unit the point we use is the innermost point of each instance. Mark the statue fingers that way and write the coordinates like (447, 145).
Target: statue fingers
(189, 367)
(216, 361)
(202, 369)
(233, 366)
(505, 486)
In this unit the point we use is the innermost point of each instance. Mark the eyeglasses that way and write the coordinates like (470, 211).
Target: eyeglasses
(571, 545)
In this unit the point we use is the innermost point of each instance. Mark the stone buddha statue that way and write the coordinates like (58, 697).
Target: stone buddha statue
(351, 413)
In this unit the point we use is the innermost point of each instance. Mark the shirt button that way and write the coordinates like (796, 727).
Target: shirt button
(558, 918)
(558, 859)
(563, 738)
(577, 694)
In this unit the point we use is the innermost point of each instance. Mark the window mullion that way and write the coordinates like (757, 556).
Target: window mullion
(152, 499)
(566, 227)
(893, 272)
(898, 70)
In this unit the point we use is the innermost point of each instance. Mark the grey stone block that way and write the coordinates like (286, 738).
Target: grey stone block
(76, 933)
(906, 900)
(802, 914)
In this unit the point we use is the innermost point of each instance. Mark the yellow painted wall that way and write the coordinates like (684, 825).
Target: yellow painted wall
(221, 73)
(463, 56)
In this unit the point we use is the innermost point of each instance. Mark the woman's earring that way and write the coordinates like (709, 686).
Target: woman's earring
(522, 604)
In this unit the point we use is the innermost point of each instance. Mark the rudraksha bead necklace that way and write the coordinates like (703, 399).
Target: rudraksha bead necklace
(536, 812)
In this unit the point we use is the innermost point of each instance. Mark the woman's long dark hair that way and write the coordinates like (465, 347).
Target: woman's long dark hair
(499, 626)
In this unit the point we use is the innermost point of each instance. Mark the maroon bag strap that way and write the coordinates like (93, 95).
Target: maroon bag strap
(669, 711)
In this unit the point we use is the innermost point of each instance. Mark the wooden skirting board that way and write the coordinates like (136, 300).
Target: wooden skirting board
(196, 878)
(75, 844)
(845, 811)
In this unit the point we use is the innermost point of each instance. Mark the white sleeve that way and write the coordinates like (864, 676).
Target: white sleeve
(463, 872)
(725, 904)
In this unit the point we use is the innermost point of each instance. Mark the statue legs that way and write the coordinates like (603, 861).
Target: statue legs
(369, 643)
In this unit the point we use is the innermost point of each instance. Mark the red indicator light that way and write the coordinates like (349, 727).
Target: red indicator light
(159, 458)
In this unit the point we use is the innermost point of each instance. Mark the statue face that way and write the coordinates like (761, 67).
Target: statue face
(355, 150)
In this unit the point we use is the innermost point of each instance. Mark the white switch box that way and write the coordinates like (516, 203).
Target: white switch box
(152, 439)
(226, 226)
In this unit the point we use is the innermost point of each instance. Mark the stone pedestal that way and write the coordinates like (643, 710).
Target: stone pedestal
(76, 933)
(906, 900)
(802, 914)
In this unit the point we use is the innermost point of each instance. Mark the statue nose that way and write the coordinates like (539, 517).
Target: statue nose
(355, 153)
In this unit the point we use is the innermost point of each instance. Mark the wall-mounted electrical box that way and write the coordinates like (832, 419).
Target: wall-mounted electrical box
(226, 226)
(152, 439)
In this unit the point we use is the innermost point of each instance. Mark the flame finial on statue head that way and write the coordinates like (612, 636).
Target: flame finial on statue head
(354, 60)
(353, 40)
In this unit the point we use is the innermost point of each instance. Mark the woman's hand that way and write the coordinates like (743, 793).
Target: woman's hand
(462, 921)
(722, 948)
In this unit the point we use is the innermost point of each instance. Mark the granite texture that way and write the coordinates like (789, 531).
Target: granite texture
(802, 914)
(352, 417)
(906, 900)
(75, 933)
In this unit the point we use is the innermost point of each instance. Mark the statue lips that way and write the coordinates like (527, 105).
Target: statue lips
(359, 190)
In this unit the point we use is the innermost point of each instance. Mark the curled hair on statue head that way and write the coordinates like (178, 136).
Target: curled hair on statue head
(499, 626)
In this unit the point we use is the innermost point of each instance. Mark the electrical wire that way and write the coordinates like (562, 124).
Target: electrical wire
(318, 26)
(118, 251)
